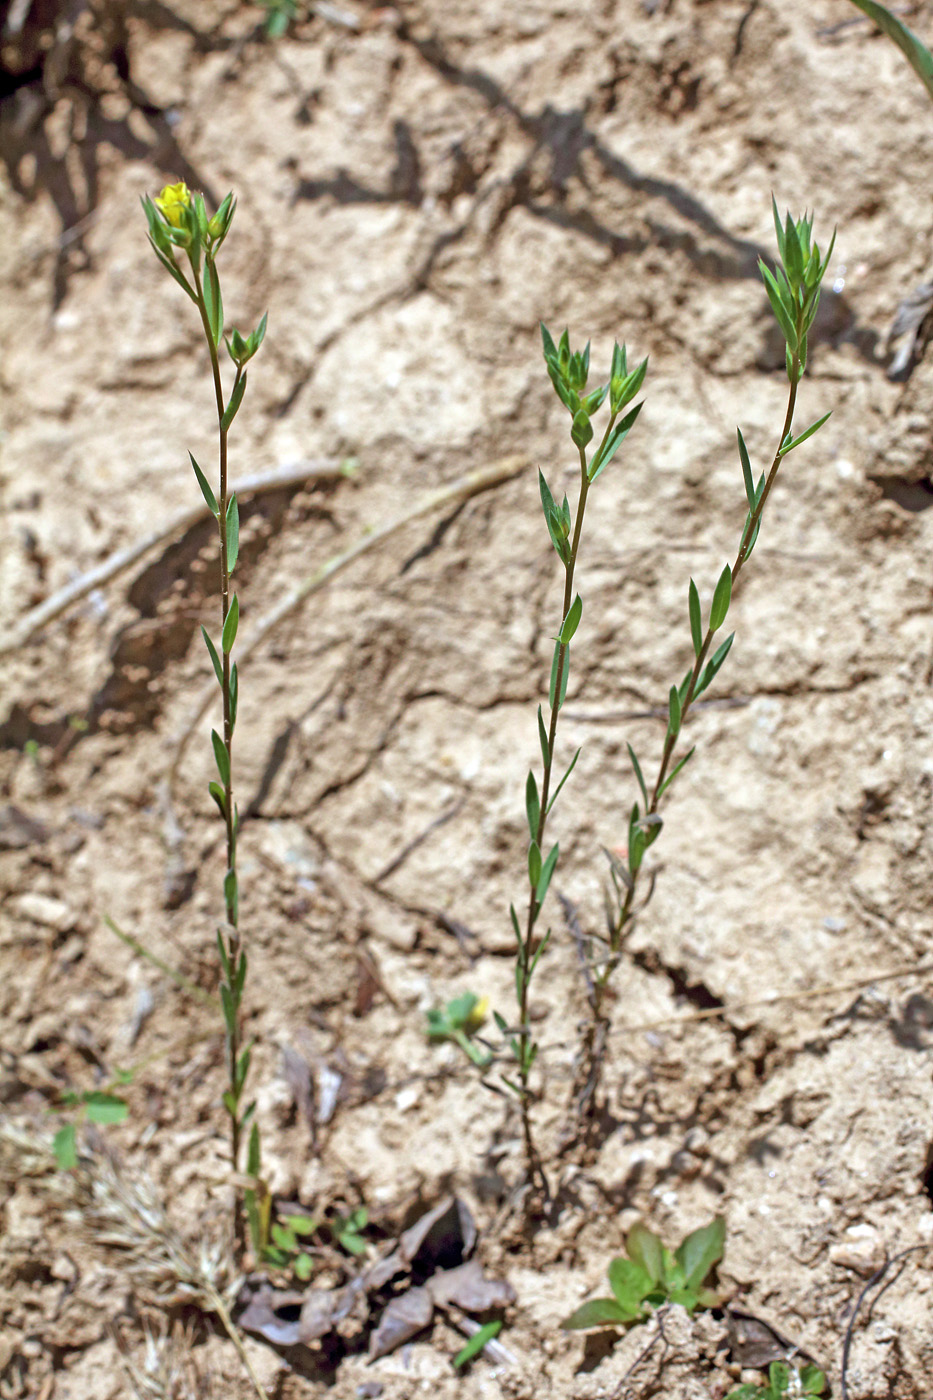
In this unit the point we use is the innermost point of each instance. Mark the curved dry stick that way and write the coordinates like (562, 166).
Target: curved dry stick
(875, 1278)
(462, 489)
(293, 474)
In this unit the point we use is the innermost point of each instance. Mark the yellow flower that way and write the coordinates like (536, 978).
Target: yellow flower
(171, 202)
(477, 1016)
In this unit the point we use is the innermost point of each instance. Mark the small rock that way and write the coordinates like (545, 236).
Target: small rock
(43, 909)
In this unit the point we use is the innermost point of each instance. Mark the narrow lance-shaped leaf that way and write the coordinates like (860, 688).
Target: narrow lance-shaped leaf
(746, 469)
(542, 735)
(532, 805)
(638, 774)
(206, 491)
(555, 701)
(781, 312)
(571, 621)
(813, 428)
(613, 442)
(236, 398)
(234, 694)
(721, 599)
(672, 775)
(474, 1346)
(696, 618)
(547, 870)
(713, 666)
(230, 626)
(534, 863)
(233, 533)
(557, 791)
(918, 55)
(221, 757)
(215, 659)
(217, 792)
(674, 712)
(213, 303)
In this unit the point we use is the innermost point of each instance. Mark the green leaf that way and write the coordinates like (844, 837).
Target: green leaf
(217, 792)
(65, 1147)
(221, 758)
(232, 900)
(614, 441)
(534, 963)
(781, 312)
(629, 1282)
(213, 302)
(601, 1312)
(813, 428)
(701, 1250)
(475, 1345)
(234, 693)
(778, 227)
(792, 256)
(671, 776)
(215, 659)
(206, 491)
(105, 1108)
(301, 1224)
(230, 626)
(542, 735)
(674, 712)
(233, 533)
(173, 268)
(550, 349)
(571, 621)
(304, 1267)
(547, 870)
(696, 618)
(236, 398)
(713, 666)
(229, 1009)
(253, 1156)
(581, 429)
(638, 774)
(812, 1380)
(625, 389)
(283, 1237)
(229, 1102)
(573, 764)
(554, 700)
(746, 470)
(532, 805)
(721, 599)
(916, 53)
(534, 863)
(646, 1249)
(258, 335)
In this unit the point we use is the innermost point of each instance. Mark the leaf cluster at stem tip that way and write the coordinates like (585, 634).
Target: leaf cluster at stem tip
(794, 287)
(569, 371)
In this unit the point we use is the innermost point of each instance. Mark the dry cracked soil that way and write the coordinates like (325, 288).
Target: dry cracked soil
(419, 184)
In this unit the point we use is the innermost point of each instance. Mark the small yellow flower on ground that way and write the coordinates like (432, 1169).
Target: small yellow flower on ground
(172, 201)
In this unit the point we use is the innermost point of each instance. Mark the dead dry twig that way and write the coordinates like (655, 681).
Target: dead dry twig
(292, 474)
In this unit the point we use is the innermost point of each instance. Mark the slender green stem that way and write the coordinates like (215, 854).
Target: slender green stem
(527, 948)
(232, 934)
(625, 913)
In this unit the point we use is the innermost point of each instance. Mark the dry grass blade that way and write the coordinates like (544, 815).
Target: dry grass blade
(460, 490)
(294, 474)
(124, 1213)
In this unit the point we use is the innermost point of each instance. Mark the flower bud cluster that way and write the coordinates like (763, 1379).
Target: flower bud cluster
(794, 287)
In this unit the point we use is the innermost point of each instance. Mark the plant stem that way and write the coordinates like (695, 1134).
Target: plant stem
(527, 949)
(603, 975)
(231, 935)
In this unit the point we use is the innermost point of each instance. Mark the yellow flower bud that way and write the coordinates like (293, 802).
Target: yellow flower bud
(171, 202)
(477, 1016)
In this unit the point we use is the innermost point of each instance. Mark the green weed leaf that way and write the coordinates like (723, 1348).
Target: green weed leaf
(532, 805)
(213, 302)
(105, 1108)
(601, 1312)
(696, 618)
(221, 758)
(475, 1345)
(571, 621)
(919, 57)
(721, 599)
(215, 659)
(701, 1250)
(65, 1147)
(236, 398)
(230, 626)
(813, 428)
(233, 533)
(639, 775)
(206, 491)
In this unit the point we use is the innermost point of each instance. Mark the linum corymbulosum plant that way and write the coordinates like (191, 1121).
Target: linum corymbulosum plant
(179, 225)
(793, 290)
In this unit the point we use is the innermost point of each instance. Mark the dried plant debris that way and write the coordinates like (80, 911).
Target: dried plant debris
(391, 1301)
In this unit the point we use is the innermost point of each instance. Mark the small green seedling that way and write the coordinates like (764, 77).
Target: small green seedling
(652, 1275)
(286, 1250)
(457, 1022)
(95, 1106)
(347, 1230)
(487, 1333)
(784, 1383)
(279, 15)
